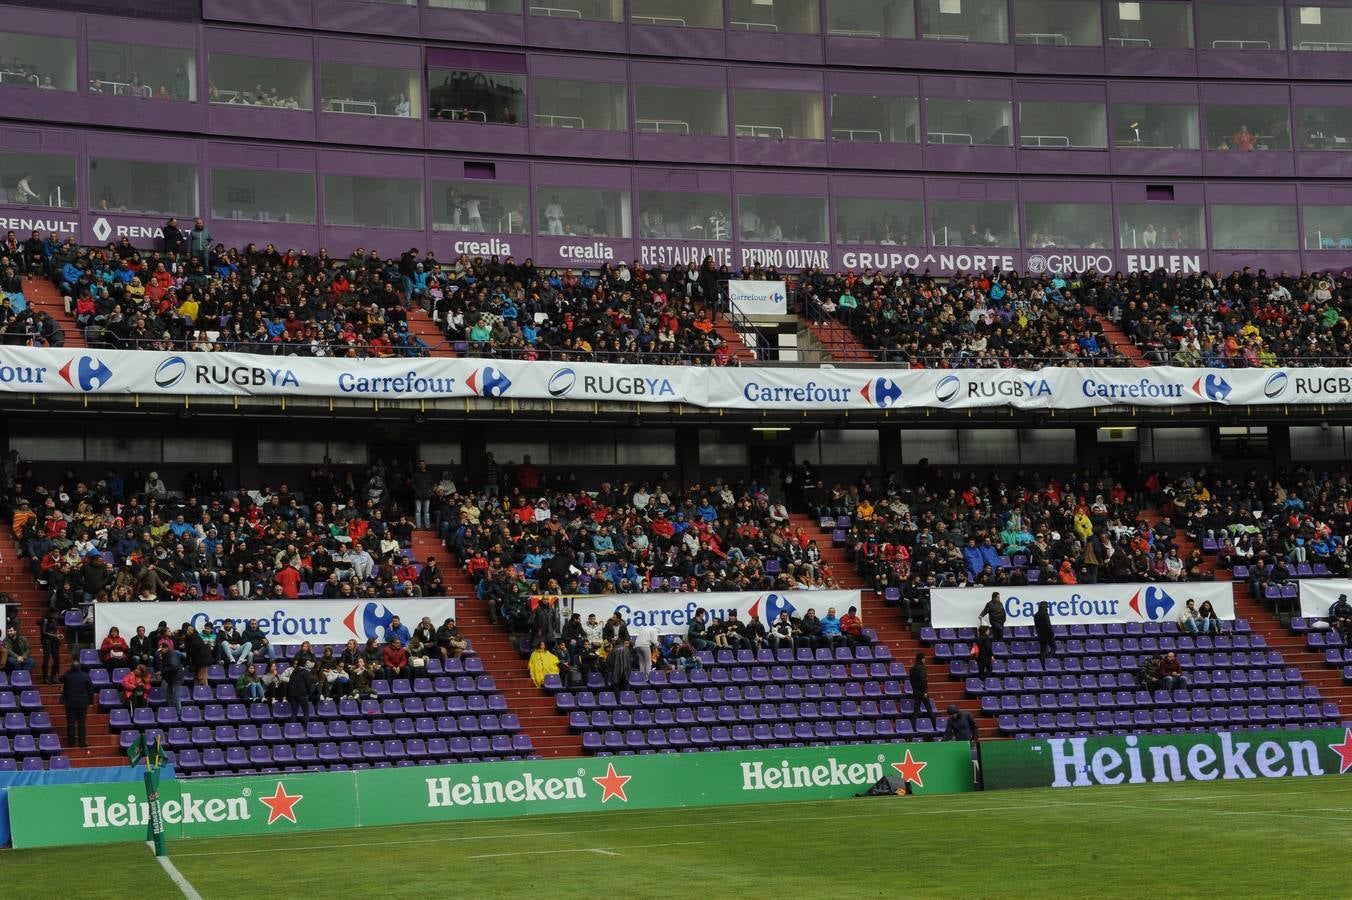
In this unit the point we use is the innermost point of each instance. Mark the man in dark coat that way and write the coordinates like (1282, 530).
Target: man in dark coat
(920, 688)
(985, 652)
(1046, 636)
(994, 612)
(198, 653)
(961, 726)
(619, 663)
(77, 693)
(299, 690)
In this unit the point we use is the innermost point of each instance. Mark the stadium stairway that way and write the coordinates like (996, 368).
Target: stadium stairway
(16, 579)
(741, 353)
(43, 296)
(421, 326)
(838, 342)
(1118, 339)
(547, 729)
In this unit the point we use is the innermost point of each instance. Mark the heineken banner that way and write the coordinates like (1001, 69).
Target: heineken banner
(672, 613)
(283, 621)
(1318, 594)
(1161, 758)
(31, 370)
(1080, 604)
(215, 807)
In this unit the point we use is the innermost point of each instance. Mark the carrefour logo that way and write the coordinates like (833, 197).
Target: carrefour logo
(774, 605)
(1151, 603)
(881, 392)
(375, 621)
(561, 382)
(87, 373)
(171, 372)
(947, 388)
(1275, 385)
(1212, 387)
(488, 382)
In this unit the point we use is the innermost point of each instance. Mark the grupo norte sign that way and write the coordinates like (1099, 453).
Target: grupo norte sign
(55, 815)
(1163, 758)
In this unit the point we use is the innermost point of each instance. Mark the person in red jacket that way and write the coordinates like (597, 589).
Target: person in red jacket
(136, 688)
(853, 627)
(395, 659)
(113, 650)
(289, 579)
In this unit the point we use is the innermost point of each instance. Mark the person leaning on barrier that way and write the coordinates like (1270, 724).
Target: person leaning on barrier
(961, 726)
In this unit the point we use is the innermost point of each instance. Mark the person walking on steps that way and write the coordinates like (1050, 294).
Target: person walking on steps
(920, 689)
(77, 694)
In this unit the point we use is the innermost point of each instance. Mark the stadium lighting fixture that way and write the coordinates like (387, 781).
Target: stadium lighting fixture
(769, 428)
(950, 7)
(1129, 12)
(1311, 15)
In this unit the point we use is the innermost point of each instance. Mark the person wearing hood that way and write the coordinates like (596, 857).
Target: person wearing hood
(618, 665)
(1042, 625)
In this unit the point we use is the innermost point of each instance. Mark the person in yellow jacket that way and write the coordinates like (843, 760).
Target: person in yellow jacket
(542, 663)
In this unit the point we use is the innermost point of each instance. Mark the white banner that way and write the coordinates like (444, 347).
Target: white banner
(1318, 594)
(759, 298)
(672, 613)
(285, 621)
(54, 371)
(1080, 604)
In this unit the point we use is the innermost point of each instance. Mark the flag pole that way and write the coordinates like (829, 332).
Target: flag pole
(154, 820)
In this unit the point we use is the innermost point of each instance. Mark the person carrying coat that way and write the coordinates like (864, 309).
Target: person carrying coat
(77, 694)
(920, 688)
(1046, 635)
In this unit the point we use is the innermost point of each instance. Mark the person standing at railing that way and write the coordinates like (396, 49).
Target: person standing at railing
(199, 242)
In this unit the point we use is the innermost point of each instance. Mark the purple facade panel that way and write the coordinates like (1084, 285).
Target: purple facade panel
(783, 152)
(385, 241)
(1321, 65)
(1258, 164)
(385, 54)
(695, 148)
(864, 51)
(797, 185)
(1178, 163)
(1062, 162)
(271, 44)
(1242, 64)
(476, 138)
(1275, 261)
(1161, 63)
(644, 72)
(37, 21)
(1151, 92)
(883, 157)
(1068, 60)
(364, 17)
(140, 112)
(549, 32)
(286, 13)
(134, 31)
(971, 189)
(477, 27)
(951, 56)
(448, 245)
(284, 235)
(880, 84)
(582, 144)
(1068, 91)
(878, 187)
(570, 175)
(775, 79)
(579, 68)
(476, 60)
(804, 49)
(1065, 192)
(246, 157)
(682, 43)
(962, 158)
(959, 88)
(374, 131)
(705, 181)
(229, 120)
(582, 252)
(34, 140)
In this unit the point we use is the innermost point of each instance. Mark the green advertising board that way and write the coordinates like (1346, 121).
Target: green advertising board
(1164, 758)
(57, 815)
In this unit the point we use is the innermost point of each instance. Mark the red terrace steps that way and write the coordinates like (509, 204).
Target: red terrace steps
(548, 729)
(839, 342)
(741, 353)
(421, 326)
(1118, 339)
(43, 296)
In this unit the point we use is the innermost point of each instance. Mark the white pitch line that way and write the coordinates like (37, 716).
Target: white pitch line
(584, 850)
(189, 892)
(346, 846)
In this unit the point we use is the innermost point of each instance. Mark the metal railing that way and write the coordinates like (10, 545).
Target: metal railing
(1128, 42)
(760, 131)
(662, 126)
(554, 12)
(1044, 140)
(658, 20)
(859, 135)
(948, 137)
(1241, 45)
(956, 38)
(352, 107)
(546, 120)
(754, 26)
(853, 32)
(1048, 39)
(1334, 46)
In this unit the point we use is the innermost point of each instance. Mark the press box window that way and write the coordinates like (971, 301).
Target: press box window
(592, 105)
(1253, 227)
(677, 13)
(779, 114)
(584, 212)
(370, 90)
(1224, 27)
(684, 217)
(1146, 25)
(775, 16)
(1062, 125)
(1151, 226)
(484, 97)
(153, 188)
(132, 70)
(971, 122)
(880, 222)
(31, 60)
(665, 109)
(1155, 126)
(875, 119)
(1078, 226)
(263, 196)
(1328, 227)
(373, 202)
(776, 219)
(592, 10)
(512, 7)
(1325, 128)
(871, 18)
(965, 21)
(1058, 23)
(1321, 28)
(963, 223)
(260, 81)
(480, 207)
(1247, 128)
(35, 179)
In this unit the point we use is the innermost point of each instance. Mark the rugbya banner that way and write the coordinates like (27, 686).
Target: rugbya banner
(759, 298)
(284, 622)
(672, 613)
(1080, 604)
(1164, 758)
(30, 370)
(1318, 594)
(58, 815)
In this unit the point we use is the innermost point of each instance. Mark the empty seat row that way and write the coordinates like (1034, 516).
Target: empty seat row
(566, 701)
(391, 750)
(1200, 718)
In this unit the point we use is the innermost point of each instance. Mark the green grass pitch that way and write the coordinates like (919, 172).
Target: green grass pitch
(1280, 838)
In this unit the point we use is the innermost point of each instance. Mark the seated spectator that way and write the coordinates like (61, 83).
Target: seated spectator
(1189, 621)
(1171, 673)
(394, 660)
(249, 686)
(114, 650)
(360, 680)
(136, 688)
(274, 686)
(1209, 622)
(543, 663)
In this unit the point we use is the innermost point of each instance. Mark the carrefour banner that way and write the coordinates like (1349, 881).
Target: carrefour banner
(283, 621)
(759, 298)
(1080, 604)
(281, 804)
(673, 613)
(1318, 594)
(1164, 758)
(57, 371)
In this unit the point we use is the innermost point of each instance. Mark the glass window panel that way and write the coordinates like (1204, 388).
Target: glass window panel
(48, 446)
(38, 179)
(1177, 445)
(1325, 128)
(198, 449)
(512, 7)
(1058, 125)
(263, 196)
(880, 221)
(1147, 226)
(1070, 225)
(122, 185)
(370, 90)
(260, 81)
(514, 449)
(1321, 28)
(983, 122)
(1328, 227)
(664, 109)
(677, 13)
(131, 70)
(987, 445)
(1155, 126)
(1223, 27)
(875, 119)
(440, 455)
(594, 10)
(1057, 23)
(31, 60)
(480, 206)
(718, 448)
(476, 97)
(1307, 441)
(1245, 128)
(871, 18)
(373, 202)
(596, 105)
(1047, 445)
(646, 447)
(586, 212)
(975, 21)
(779, 114)
(140, 449)
(1146, 25)
(775, 16)
(966, 223)
(938, 445)
(1253, 227)
(681, 216)
(799, 220)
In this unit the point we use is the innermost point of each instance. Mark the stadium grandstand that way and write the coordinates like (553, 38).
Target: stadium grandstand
(436, 383)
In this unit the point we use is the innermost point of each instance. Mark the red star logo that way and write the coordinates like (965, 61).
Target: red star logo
(1344, 751)
(281, 805)
(910, 769)
(613, 783)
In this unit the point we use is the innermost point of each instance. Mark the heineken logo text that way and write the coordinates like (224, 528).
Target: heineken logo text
(1074, 766)
(478, 792)
(756, 776)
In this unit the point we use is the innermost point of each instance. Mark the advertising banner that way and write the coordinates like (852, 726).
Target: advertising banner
(1081, 604)
(214, 807)
(758, 298)
(284, 622)
(672, 613)
(1163, 758)
(1318, 594)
